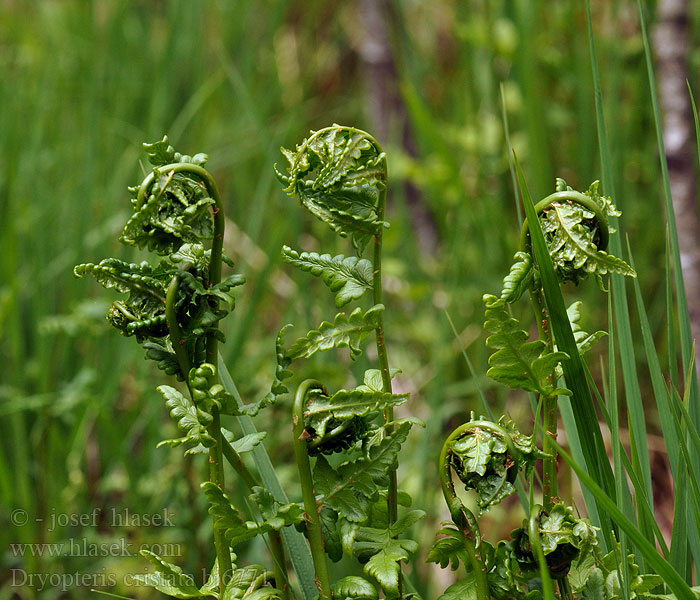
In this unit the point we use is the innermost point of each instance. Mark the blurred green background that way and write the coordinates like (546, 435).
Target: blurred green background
(84, 83)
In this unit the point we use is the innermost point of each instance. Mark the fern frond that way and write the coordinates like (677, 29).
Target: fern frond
(517, 362)
(349, 276)
(350, 489)
(187, 418)
(337, 174)
(143, 313)
(521, 278)
(345, 405)
(238, 530)
(345, 331)
(572, 246)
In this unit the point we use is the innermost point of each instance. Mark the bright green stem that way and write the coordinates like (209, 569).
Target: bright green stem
(235, 460)
(549, 408)
(392, 498)
(216, 475)
(313, 525)
(461, 516)
(274, 537)
(174, 327)
(216, 465)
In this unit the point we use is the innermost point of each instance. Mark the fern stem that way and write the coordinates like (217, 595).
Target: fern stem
(461, 516)
(550, 414)
(216, 475)
(274, 537)
(392, 498)
(313, 525)
(235, 460)
(216, 465)
(174, 327)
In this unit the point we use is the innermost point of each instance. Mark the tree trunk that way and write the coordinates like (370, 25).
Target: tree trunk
(386, 107)
(671, 48)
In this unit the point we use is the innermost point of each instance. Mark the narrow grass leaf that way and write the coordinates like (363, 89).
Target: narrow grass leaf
(633, 395)
(660, 565)
(678, 554)
(296, 544)
(574, 374)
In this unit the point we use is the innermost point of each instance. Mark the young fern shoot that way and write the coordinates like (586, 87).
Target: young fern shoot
(173, 309)
(552, 545)
(339, 174)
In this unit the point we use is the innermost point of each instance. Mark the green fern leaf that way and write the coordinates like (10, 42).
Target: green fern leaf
(384, 565)
(354, 588)
(350, 489)
(488, 459)
(241, 445)
(338, 173)
(188, 418)
(168, 578)
(595, 586)
(238, 530)
(350, 277)
(162, 153)
(336, 423)
(345, 405)
(281, 373)
(466, 589)
(383, 552)
(584, 340)
(521, 278)
(450, 549)
(143, 313)
(276, 515)
(177, 207)
(345, 331)
(517, 362)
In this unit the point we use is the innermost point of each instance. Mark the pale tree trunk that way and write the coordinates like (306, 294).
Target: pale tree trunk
(671, 48)
(386, 107)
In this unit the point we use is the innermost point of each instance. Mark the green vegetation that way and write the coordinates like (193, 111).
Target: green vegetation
(84, 84)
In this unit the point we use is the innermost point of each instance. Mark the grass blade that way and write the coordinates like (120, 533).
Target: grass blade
(633, 394)
(678, 556)
(660, 565)
(574, 374)
(296, 544)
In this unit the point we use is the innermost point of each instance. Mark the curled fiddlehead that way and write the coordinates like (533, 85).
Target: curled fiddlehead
(337, 423)
(576, 229)
(173, 307)
(338, 174)
(562, 538)
(487, 458)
